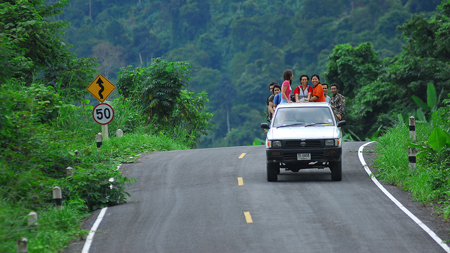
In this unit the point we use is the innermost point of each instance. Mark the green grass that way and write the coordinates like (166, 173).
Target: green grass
(57, 228)
(41, 139)
(54, 230)
(427, 184)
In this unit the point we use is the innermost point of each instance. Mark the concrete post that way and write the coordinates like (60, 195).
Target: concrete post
(69, 171)
(412, 151)
(32, 219)
(99, 140)
(22, 245)
(412, 128)
(119, 133)
(57, 197)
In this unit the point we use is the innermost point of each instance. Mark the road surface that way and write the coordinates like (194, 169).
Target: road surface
(218, 200)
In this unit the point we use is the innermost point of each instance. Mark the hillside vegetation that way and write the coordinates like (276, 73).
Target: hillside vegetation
(46, 126)
(236, 48)
(232, 51)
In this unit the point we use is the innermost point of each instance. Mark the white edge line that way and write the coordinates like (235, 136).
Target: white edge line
(393, 199)
(90, 238)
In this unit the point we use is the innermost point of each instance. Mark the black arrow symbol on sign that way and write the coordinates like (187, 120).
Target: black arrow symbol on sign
(102, 88)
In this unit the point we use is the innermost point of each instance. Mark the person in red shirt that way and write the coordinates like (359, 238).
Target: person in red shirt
(303, 92)
(317, 95)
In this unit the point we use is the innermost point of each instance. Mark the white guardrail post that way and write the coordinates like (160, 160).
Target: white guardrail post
(22, 245)
(119, 133)
(32, 219)
(99, 140)
(57, 197)
(412, 151)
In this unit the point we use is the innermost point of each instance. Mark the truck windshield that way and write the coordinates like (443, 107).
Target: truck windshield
(303, 116)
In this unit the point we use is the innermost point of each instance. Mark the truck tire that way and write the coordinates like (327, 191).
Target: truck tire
(272, 171)
(336, 170)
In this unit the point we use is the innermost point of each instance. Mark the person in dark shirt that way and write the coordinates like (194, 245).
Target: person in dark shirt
(337, 102)
(271, 91)
(272, 105)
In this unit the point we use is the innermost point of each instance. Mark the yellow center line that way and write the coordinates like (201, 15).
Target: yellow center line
(240, 181)
(242, 155)
(248, 217)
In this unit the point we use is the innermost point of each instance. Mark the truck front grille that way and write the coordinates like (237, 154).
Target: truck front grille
(308, 144)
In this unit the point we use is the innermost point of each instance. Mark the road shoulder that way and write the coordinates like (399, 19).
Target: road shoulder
(426, 213)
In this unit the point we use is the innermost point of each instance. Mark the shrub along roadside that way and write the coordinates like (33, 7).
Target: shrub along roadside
(39, 136)
(430, 182)
(88, 189)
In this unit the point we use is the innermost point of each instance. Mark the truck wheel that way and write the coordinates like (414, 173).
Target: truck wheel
(272, 171)
(336, 170)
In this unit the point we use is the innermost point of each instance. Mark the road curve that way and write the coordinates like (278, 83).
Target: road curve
(218, 200)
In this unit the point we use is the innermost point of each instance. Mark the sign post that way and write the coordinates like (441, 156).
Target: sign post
(103, 113)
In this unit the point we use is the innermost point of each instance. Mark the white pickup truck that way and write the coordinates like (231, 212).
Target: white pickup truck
(304, 136)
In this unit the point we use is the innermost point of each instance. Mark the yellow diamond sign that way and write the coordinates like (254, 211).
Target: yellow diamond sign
(101, 88)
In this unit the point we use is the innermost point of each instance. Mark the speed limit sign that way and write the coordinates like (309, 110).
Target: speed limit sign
(103, 114)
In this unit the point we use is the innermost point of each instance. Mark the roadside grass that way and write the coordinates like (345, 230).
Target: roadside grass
(427, 184)
(37, 159)
(54, 230)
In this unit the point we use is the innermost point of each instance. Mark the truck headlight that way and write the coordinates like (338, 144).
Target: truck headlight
(276, 144)
(329, 142)
(333, 143)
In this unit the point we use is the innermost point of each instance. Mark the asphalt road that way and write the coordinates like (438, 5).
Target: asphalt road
(192, 201)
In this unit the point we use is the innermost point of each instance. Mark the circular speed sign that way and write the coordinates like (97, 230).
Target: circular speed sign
(103, 114)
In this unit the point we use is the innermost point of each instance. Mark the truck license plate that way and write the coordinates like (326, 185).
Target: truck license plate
(303, 156)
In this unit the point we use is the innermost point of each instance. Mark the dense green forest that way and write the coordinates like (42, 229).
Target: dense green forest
(47, 133)
(236, 48)
(46, 121)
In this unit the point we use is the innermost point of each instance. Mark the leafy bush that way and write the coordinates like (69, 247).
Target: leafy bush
(430, 182)
(33, 48)
(156, 92)
(156, 87)
(22, 106)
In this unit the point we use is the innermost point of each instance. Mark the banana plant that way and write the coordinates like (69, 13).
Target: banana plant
(430, 106)
(438, 144)
(432, 99)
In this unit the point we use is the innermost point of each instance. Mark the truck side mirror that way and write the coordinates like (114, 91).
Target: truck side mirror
(341, 123)
(265, 126)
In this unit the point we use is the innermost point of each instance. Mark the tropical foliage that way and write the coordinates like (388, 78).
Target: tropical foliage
(429, 182)
(394, 85)
(46, 126)
(236, 48)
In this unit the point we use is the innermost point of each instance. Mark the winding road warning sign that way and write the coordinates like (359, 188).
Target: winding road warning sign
(101, 88)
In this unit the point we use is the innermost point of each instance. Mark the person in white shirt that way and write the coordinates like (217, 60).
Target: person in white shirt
(325, 91)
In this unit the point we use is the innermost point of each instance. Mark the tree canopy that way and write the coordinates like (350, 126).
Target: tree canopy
(253, 42)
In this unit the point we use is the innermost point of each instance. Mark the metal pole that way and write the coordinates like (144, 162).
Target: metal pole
(105, 132)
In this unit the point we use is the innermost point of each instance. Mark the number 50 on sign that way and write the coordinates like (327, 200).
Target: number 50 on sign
(103, 114)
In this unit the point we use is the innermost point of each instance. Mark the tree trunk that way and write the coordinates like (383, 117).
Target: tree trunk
(228, 120)
(90, 9)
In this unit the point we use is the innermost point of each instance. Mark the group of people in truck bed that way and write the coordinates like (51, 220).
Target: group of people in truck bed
(305, 93)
